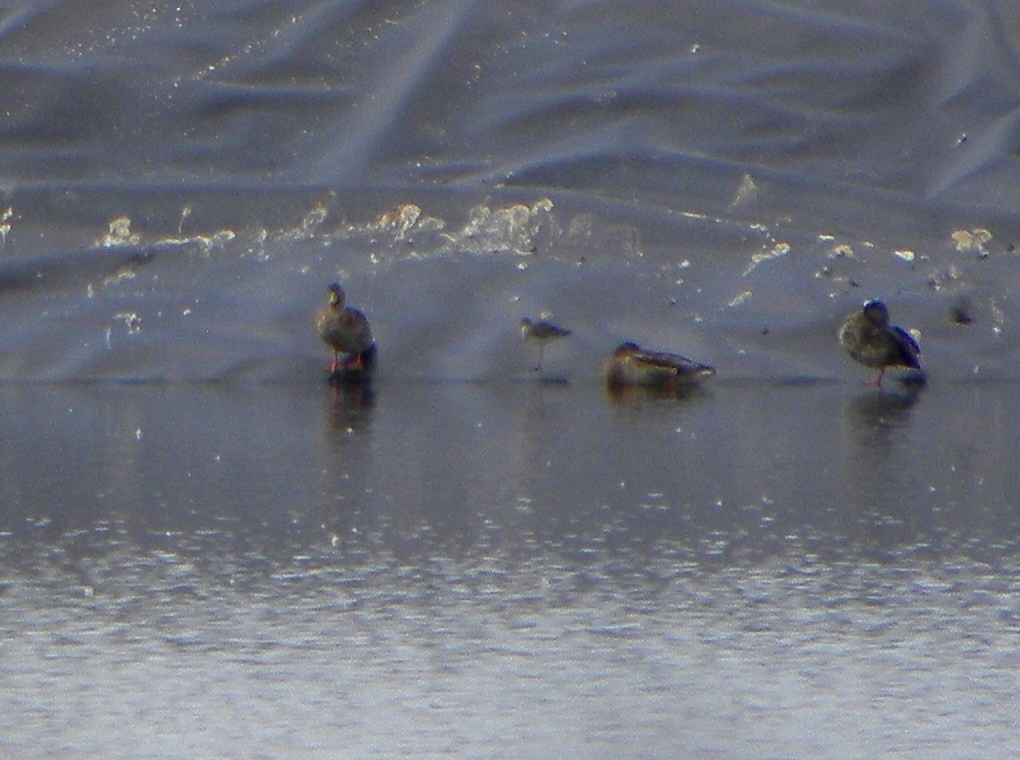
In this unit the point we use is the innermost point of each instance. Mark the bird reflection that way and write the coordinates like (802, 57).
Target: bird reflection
(637, 394)
(352, 405)
(881, 412)
(878, 449)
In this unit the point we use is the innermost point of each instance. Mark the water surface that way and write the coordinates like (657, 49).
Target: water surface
(760, 569)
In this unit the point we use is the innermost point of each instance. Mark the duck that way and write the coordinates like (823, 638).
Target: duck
(632, 365)
(541, 332)
(346, 331)
(870, 340)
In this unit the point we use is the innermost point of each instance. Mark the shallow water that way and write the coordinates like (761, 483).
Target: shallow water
(760, 569)
(204, 551)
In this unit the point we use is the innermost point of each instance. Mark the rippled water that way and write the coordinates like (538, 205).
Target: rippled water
(206, 551)
(497, 569)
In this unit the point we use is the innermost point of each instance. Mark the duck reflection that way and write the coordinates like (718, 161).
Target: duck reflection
(880, 414)
(880, 445)
(625, 395)
(352, 406)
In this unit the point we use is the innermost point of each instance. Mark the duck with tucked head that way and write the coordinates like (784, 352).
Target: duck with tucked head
(345, 330)
(632, 365)
(541, 332)
(870, 340)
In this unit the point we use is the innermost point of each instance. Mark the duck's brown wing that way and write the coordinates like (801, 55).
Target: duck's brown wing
(357, 335)
(679, 364)
(346, 331)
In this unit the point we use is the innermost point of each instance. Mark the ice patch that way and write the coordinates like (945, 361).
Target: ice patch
(777, 251)
(971, 241)
(119, 234)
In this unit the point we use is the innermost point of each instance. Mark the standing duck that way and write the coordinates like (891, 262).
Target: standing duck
(632, 365)
(345, 331)
(870, 340)
(541, 333)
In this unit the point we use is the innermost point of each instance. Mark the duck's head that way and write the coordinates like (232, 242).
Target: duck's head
(629, 347)
(336, 295)
(876, 313)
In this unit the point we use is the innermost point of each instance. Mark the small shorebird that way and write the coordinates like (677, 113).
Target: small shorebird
(870, 340)
(345, 331)
(632, 365)
(541, 333)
